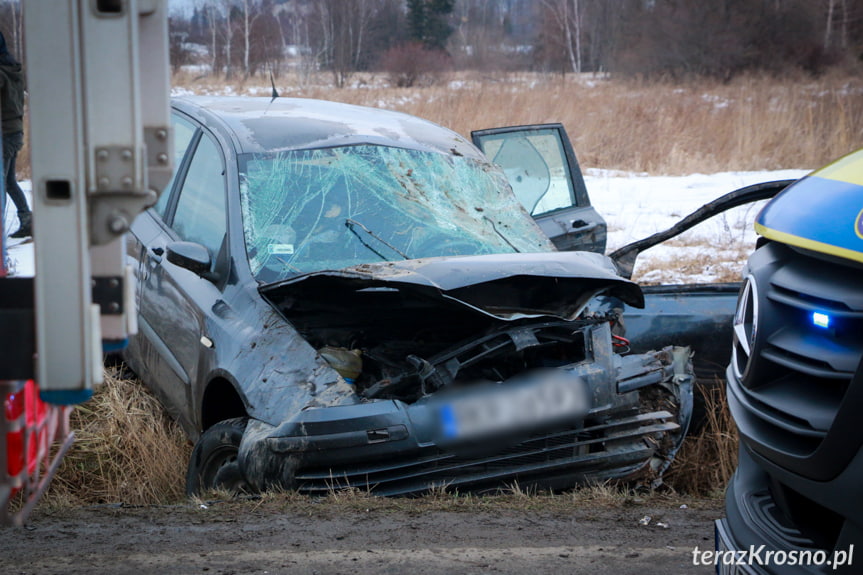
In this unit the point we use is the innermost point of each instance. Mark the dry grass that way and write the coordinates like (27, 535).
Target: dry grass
(750, 123)
(707, 458)
(513, 499)
(127, 450)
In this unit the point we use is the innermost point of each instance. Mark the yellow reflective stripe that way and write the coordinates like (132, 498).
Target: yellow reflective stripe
(808, 244)
(848, 169)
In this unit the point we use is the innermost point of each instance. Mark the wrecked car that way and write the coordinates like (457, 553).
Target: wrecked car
(333, 296)
(541, 166)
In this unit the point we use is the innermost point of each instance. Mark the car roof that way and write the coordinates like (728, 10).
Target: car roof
(266, 125)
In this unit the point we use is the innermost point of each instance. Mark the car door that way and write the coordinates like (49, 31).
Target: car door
(541, 167)
(145, 246)
(150, 224)
(175, 301)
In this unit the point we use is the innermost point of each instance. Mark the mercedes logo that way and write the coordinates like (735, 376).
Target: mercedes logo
(745, 327)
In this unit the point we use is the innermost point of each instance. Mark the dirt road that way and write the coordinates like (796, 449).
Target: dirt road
(227, 537)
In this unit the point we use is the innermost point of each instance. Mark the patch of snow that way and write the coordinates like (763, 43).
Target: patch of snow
(717, 101)
(180, 91)
(637, 205)
(20, 256)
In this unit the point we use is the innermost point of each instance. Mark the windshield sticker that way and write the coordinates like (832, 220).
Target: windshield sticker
(280, 249)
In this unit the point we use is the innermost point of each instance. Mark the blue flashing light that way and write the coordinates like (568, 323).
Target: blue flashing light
(820, 319)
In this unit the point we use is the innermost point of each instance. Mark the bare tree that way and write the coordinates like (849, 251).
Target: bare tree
(229, 36)
(838, 15)
(265, 39)
(253, 10)
(217, 15)
(483, 37)
(343, 26)
(567, 17)
(213, 26)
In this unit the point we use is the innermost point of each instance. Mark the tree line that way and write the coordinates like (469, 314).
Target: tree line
(413, 40)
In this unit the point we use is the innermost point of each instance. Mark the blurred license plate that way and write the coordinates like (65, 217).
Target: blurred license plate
(545, 398)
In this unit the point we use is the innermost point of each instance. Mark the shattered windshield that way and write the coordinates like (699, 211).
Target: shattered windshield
(310, 210)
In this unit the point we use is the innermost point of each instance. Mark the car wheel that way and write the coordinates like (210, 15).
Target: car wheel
(214, 463)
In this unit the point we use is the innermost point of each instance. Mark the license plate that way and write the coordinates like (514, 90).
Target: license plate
(547, 397)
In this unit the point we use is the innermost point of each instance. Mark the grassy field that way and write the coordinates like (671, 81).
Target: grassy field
(128, 450)
(750, 123)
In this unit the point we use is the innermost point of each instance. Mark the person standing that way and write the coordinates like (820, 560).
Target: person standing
(12, 108)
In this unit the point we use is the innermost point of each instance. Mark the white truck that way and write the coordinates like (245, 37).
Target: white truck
(101, 150)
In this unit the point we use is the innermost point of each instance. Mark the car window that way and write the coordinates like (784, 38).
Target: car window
(183, 132)
(536, 166)
(307, 210)
(200, 215)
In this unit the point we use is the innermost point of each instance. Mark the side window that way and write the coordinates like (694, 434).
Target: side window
(183, 132)
(535, 165)
(201, 214)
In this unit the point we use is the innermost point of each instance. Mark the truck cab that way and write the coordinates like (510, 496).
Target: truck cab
(795, 381)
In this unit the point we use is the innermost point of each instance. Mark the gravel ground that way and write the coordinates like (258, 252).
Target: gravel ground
(274, 537)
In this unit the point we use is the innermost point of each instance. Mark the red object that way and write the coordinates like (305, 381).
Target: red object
(15, 406)
(619, 341)
(29, 431)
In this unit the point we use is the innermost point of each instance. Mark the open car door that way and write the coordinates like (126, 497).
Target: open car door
(540, 164)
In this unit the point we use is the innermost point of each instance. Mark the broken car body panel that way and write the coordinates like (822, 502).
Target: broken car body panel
(507, 286)
(694, 315)
(357, 287)
(549, 429)
(540, 164)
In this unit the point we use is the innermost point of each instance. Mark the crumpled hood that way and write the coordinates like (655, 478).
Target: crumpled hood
(823, 212)
(504, 286)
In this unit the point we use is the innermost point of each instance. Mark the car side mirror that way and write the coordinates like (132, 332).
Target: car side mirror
(191, 256)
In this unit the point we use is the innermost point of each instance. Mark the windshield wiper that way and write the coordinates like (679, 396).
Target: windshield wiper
(503, 237)
(351, 222)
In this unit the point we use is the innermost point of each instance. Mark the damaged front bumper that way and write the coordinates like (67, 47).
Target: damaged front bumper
(551, 428)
